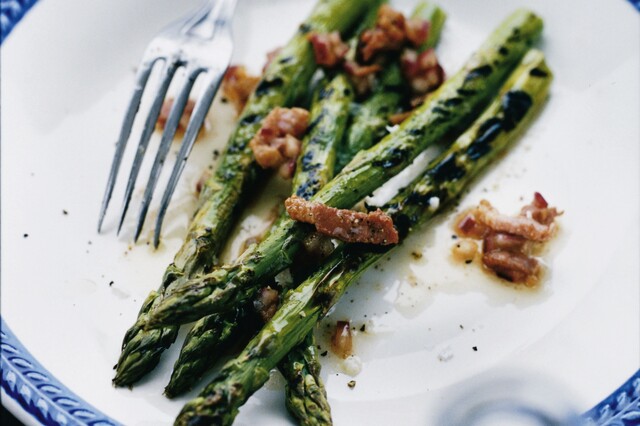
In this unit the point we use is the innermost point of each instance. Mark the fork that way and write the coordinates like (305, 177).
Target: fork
(201, 43)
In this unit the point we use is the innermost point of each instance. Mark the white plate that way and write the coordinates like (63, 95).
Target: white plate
(67, 71)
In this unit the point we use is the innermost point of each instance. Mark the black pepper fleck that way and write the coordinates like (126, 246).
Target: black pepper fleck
(64, 212)
(351, 384)
(110, 283)
(25, 235)
(363, 328)
(475, 349)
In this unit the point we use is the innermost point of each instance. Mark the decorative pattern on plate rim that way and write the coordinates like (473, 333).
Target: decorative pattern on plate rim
(48, 400)
(11, 12)
(38, 392)
(621, 408)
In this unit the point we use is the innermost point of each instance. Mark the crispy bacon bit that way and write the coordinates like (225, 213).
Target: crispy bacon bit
(328, 48)
(204, 177)
(423, 71)
(345, 225)
(354, 69)
(392, 32)
(469, 227)
(505, 242)
(266, 303)
(271, 55)
(277, 143)
(184, 120)
(417, 30)
(508, 241)
(519, 225)
(540, 211)
(342, 340)
(362, 76)
(238, 85)
(388, 35)
(514, 267)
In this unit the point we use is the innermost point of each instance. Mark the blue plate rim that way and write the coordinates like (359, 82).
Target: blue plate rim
(45, 398)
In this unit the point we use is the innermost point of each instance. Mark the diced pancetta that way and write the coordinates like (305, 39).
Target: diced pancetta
(422, 70)
(508, 241)
(416, 30)
(346, 225)
(517, 225)
(238, 85)
(328, 48)
(277, 143)
(342, 340)
(512, 266)
(389, 34)
(266, 303)
(184, 119)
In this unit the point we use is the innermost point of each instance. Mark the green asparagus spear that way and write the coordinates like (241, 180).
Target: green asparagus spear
(328, 121)
(210, 335)
(436, 17)
(285, 80)
(306, 397)
(370, 118)
(454, 104)
(445, 179)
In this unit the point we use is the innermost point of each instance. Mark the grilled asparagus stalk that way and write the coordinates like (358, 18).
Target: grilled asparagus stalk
(284, 81)
(328, 118)
(445, 178)
(370, 118)
(453, 105)
(209, 337)
(306, 398)
(211, 334)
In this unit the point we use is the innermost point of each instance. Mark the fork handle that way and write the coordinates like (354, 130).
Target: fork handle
(214, 15)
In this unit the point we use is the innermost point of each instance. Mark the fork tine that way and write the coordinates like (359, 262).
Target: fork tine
(200, 111)
(165, 145)
(134, 104)
(149, 125)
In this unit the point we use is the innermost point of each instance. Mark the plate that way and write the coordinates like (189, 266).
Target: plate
(69, 294)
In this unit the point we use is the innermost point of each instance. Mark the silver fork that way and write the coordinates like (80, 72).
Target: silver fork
(200, 43)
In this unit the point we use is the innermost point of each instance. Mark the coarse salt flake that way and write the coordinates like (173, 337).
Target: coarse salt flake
(434, 203)
(352, 365)
(393, 128)
(445, 355)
